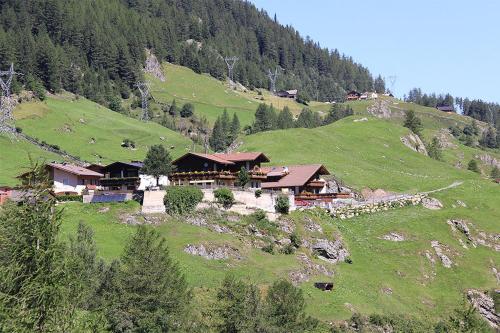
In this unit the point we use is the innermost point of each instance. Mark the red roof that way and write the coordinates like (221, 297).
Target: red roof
(227, 159)
(242, 157)
(75, 169)
(295, 175)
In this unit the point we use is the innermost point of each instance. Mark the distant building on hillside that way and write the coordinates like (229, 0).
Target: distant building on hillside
(446, 108)
(368, 95)
(288, 94)
(353, 96)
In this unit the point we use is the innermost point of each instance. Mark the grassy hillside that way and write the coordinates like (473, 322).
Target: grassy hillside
(89, 130)
(14, 158)
(211, 96)
(83, 129)
(362, 154)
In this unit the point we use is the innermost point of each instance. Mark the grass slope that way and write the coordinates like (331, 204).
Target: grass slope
(72, 124)
(211, 96)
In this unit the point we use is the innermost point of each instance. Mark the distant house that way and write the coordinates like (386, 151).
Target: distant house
(288, 94)
(368, 95)
(296, 179)
(353, 96)
(446, 108)
(5, 193)
(212, 170)
(69, 178)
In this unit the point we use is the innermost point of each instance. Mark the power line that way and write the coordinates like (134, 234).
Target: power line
(231, 62)
(6, 104)
(144, 88)
(272, 78)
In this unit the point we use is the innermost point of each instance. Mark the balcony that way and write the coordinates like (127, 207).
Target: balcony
(209, 175)
(110, 182)
(316, 184)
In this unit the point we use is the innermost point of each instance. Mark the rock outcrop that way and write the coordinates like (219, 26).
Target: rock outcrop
(413, 142)
(332, 252)
(380, 109)
(309, 269)
(153, 66)
(485, 306)
(212, 252)
(393, 237)
(432, 203)
(445, 260)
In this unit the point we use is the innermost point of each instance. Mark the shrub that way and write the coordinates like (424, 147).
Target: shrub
(259, 215)
(434, 149)
(258, 193)
(495, 173)
(187, 110)
(348, 260)
(127, 143)
(473, 166)
(19, 130)
(282, 205)
(224, 197)
(182, 199)
(269, 248)
(288, 249)
(295, 239)
(70, 198)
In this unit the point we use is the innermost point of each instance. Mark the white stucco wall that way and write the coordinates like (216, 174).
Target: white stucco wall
(265, 202)
(61, 177)
(149, 181)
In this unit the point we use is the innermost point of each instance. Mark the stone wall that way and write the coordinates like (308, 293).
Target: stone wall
(364, 208)
(247, 199)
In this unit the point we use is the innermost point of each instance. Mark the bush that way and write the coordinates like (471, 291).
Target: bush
(19, 130)
(70, 198)
(473, 166)
(348, 260)
(288, 249)
(224, 197)
(258, 193)
(187, 110)
(282, 205)
(127, 143)
(259, 215)
(182, 199)
(295, 239)
(269, 248)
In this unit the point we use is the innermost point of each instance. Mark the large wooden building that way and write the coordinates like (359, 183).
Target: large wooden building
(212, 170)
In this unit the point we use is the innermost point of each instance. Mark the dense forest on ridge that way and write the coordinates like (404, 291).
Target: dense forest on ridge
(95, 48)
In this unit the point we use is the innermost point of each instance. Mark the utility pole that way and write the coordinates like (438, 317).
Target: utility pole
(272, 78)
(392, 81)
(144, 88)
(6, 104)
(231, 62)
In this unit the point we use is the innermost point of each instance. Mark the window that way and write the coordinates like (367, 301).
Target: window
(65, 181)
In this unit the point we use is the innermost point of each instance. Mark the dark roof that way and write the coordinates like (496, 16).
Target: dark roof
(354, 92)
(134, 164)
(295, 175)
(446, 108)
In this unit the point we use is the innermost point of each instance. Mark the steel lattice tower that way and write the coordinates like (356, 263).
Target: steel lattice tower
(144, 88)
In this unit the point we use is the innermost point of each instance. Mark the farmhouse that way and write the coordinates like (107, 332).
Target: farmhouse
(368, 95)
(68, 178)
(211, 170)
(353, 96)
(446, 108)
(296, 179)
(288, 94)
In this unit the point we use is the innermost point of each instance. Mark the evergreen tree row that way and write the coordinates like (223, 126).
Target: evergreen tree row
(96, 47)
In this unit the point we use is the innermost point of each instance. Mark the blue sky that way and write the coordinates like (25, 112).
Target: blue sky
(437, 45)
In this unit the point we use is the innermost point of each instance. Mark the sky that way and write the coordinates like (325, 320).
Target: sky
(437, 45)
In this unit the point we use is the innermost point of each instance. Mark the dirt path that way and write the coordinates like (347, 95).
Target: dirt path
(455, 184)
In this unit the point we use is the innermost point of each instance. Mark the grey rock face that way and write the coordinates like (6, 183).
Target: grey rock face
(432, 204)
(212, 253)
(486, 307)
(445, 260)
(332, 252)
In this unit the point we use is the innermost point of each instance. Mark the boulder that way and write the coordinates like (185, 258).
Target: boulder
(432, 203)
(332, 252)
(485, 305)
(461, 226)
(414, 142)
(309, 268)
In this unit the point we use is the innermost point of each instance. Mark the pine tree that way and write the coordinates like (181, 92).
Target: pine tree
(285, 119)
(148, 292)
(434, 149)
(413, 122)
(32, 266)
(235, 128)
(187, 110)
(173, 110)
(226, 128)
(217, 139)
(379, 85)
(265, 119)
(157, 163)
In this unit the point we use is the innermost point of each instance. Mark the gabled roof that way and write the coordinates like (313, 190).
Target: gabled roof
(295, 175)
(134, 164)
(227, 159)
(242, 157)
(75, 169)
(446, 108)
